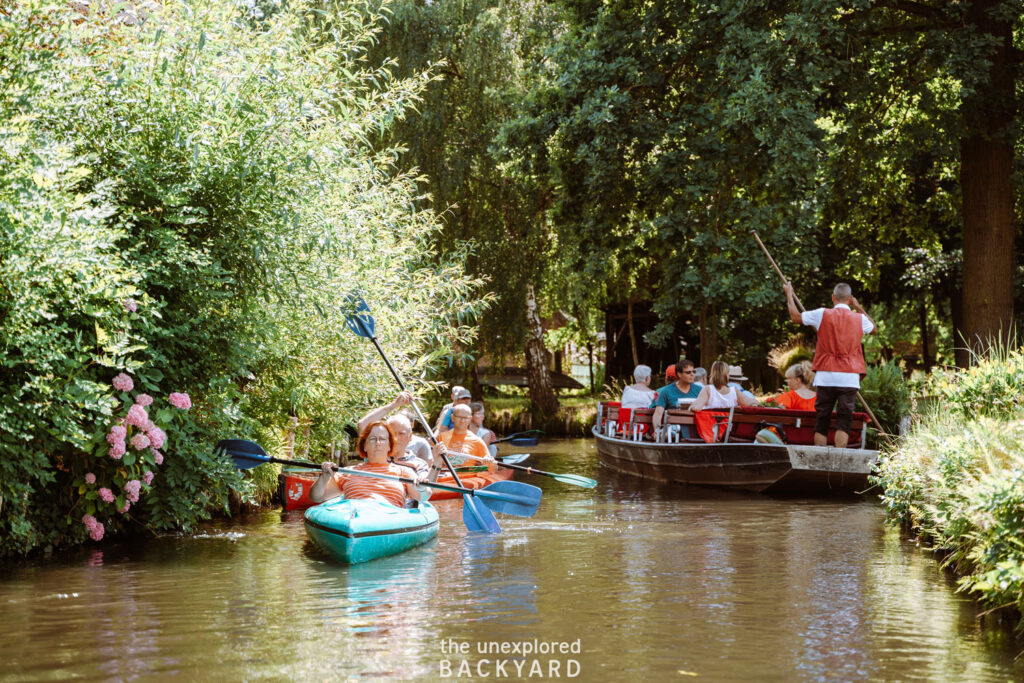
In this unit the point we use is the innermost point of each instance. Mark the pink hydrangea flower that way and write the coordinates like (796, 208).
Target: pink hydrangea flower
(117, 433)
(90, 478)
(132, 489)
(140, 442)
(156, 437)
(123, 382)
(158, 456)
(143, 399)
(96, 532)
(180, 400)
(117, 450)
(89, 521)
(130, 305)
(107, 495)
(148, 477)
(137, 416)
(125, 508)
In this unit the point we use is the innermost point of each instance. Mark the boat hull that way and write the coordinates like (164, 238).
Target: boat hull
(293, 486)
(354, 531)
(768, 468)
(474, 480)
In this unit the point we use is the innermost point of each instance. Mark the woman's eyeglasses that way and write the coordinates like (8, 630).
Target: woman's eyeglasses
(377, 439)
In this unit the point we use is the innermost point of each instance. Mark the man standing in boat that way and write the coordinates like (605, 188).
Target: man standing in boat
(670, 395)
(838, 358)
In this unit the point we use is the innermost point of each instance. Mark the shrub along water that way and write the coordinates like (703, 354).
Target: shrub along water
(186, 197)
(958, 477)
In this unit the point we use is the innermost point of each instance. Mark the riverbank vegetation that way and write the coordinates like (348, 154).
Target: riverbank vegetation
(957, 479)
(187, 195)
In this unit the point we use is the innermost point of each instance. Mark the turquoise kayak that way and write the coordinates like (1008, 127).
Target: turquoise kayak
(354, 531)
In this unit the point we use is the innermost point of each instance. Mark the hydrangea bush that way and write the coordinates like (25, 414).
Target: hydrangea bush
(176, 192)
(118, 477)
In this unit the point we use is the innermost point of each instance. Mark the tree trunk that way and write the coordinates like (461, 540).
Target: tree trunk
(708, 336)
(986, 158)
(632, 334)
(475, 387)
(926, 359)
(542, 395)
(590, 364)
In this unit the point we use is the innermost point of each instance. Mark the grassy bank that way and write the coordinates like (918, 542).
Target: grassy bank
(957, 479)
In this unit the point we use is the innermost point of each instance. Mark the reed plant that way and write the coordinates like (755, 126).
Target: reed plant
(957, 479)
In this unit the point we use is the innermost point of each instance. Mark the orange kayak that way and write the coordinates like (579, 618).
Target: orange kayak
(293, 485)
(470, 480)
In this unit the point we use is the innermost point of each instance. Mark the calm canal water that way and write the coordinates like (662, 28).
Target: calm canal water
(637, 581)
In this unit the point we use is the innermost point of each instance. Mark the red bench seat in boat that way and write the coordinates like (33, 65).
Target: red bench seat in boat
(797, 425)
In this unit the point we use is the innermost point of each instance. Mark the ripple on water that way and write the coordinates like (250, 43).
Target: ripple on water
(653, 580)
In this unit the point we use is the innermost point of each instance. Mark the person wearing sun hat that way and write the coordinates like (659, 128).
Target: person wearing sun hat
(735, 377)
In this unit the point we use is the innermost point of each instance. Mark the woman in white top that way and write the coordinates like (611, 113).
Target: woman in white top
(717, 394)
(639, 394)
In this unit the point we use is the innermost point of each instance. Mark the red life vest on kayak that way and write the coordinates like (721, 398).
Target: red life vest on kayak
(838, 348)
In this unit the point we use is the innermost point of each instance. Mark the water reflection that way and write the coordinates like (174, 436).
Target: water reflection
(655, 581)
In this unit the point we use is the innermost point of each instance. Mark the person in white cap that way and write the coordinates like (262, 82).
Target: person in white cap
(460, 397)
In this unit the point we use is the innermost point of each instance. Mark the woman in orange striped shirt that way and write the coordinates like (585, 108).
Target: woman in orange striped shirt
(375, 444)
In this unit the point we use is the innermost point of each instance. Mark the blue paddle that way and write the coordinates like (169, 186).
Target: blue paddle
(527, 438)
(475, 515)
(519, 499)
(574, 479)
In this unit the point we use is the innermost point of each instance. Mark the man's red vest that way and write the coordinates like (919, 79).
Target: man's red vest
(838, 348)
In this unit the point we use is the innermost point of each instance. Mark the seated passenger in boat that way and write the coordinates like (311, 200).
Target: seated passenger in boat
(718, 394)
(376, 444)
(736, 378)
(799, 379)
(639, 394)
(401, 425)
(460, 396)
(676, 395)
(408, 451)
(462, 442)
(477, 427)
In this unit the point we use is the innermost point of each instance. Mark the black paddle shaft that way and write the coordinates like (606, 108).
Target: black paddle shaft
(415, 406)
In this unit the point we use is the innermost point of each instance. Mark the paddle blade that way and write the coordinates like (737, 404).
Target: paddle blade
(514, 459)
(245, 454)
(525, 441)
(575, 480)
(360, 322)
(477, 517)
(510, 498)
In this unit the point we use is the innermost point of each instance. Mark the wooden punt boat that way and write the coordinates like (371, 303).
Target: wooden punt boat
(354, 531)
(739, 461)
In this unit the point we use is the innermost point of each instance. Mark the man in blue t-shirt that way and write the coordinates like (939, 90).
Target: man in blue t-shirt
(669, 395)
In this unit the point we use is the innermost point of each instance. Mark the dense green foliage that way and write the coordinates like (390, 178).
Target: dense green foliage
(957, 477)
(621, 150)
(885, 389)
(188, 197)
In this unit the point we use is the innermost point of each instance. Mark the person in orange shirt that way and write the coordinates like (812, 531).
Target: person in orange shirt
(376, 444)
(460, 440)
(799, 379)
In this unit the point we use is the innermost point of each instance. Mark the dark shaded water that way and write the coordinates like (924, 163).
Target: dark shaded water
(647, 581)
